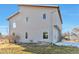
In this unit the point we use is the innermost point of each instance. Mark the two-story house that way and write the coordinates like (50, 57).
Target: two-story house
(36, 23)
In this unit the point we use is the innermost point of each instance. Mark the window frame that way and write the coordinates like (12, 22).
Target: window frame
(26, 19)
(14, 25)
(45, 35)
(44, 16)
(26, 35)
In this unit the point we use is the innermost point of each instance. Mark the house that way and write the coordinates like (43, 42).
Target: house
(36, 24)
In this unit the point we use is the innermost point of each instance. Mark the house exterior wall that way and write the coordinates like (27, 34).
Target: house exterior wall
(58, 30)
(36, 25)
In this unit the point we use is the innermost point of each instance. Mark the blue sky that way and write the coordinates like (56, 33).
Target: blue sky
(70, 16)
(69, 12)
(5, 11)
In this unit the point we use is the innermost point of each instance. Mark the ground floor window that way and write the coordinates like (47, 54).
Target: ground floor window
(26, 35)
(45, 35)
(13, 33)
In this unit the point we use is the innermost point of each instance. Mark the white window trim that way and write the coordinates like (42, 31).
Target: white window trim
(14, 25)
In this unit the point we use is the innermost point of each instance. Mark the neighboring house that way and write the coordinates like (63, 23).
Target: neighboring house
(36, 24)
(74, 36)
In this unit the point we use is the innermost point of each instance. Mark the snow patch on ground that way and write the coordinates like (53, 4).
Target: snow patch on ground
(73, 44)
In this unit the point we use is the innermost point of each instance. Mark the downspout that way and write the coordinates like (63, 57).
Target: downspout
(51, 26)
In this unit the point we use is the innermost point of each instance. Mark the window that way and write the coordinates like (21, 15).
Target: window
(26, 35)
(26, 19)
(44, 16)
(13, 33)
(14, 25)
(45, 35)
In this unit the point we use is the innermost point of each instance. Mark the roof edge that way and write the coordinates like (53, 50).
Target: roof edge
(38, 6)
(60, 15)
(13, 15)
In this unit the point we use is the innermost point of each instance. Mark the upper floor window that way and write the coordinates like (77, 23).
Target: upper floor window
(44, 16)
(14, 25)
(26, 19)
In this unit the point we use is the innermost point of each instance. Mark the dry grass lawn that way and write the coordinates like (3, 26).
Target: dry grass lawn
(37, 49)
(12, 49)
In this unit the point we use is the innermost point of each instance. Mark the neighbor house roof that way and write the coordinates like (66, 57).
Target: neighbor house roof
(37, 6)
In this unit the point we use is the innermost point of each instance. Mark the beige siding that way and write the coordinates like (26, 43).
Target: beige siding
(36, 25)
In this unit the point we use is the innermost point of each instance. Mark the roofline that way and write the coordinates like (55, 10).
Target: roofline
(38, 6)
(60, 15)
(13, 15)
